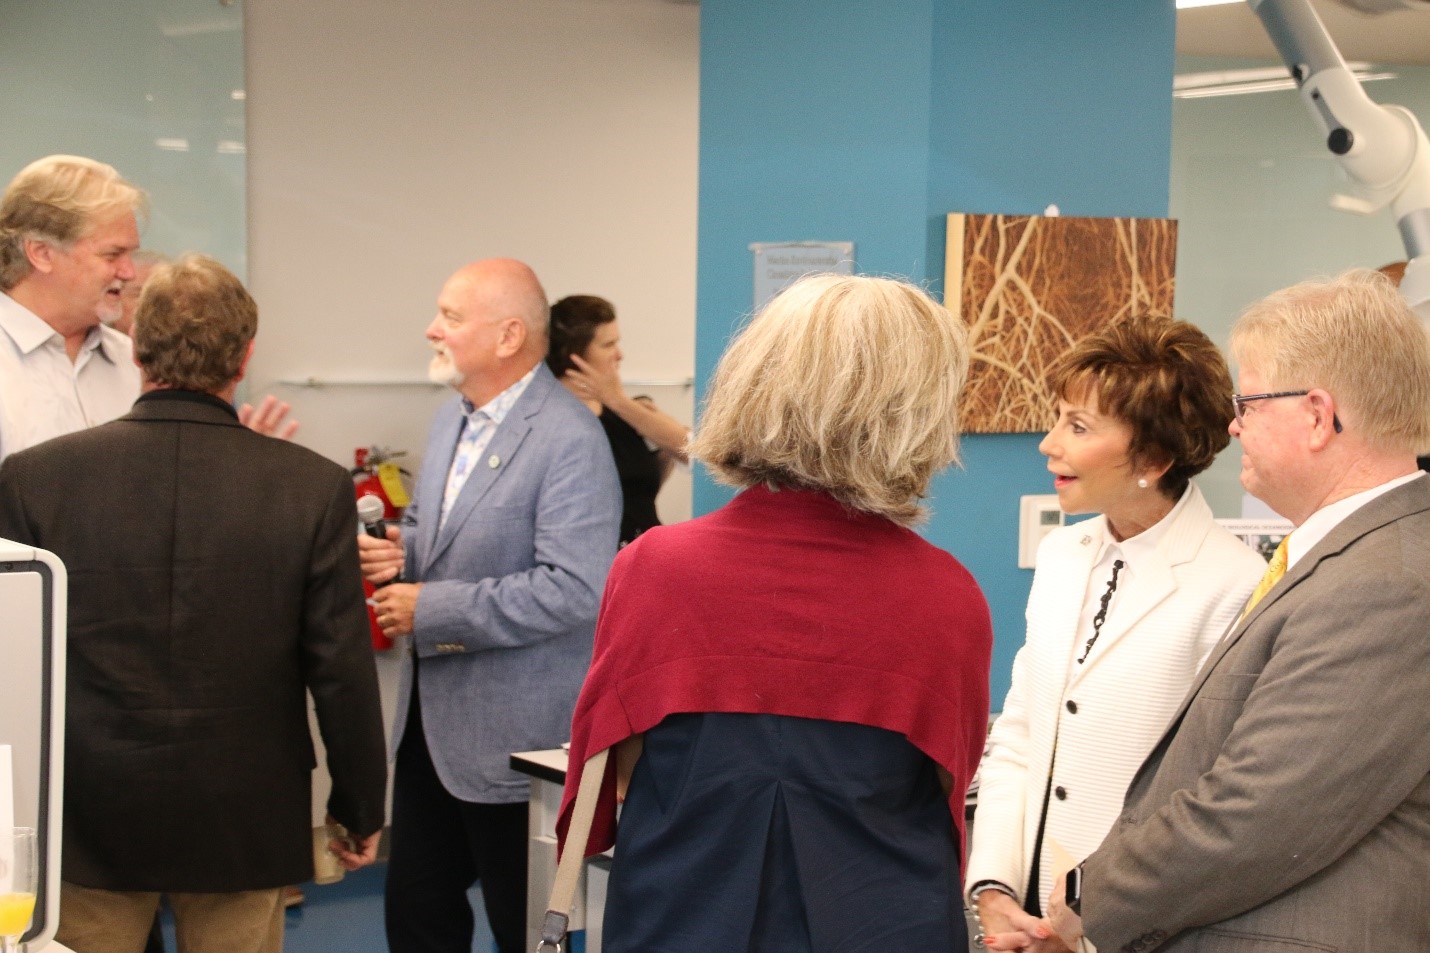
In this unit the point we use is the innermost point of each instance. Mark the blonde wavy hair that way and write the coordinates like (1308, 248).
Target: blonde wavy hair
(849, 385)
(58, 199)
(1355, 337)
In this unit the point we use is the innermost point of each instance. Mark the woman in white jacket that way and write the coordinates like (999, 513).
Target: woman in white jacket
(1123, 610)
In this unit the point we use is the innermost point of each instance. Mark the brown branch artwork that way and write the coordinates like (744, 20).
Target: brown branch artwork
(1030, 287)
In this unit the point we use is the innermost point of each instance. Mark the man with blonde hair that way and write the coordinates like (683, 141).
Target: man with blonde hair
(68, 234)
(68, 231)
(1288, 803)
(214, 585)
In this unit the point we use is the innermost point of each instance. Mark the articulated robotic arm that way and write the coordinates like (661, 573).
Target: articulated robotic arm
(1382, 148)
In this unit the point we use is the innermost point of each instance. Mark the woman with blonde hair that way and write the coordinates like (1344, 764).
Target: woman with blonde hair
(797, 682)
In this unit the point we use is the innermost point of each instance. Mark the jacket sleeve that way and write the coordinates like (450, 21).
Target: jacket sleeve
(339, 670)
(578, 514)
(13, 525)
(998, 849)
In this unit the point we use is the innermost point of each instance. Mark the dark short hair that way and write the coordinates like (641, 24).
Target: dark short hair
(193, 326)
(1166, 380)
(574, 320)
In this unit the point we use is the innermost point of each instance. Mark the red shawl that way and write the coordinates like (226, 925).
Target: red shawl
(787, 603)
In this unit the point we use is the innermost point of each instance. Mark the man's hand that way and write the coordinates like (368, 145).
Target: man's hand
(1007, 926)
(396, 605)
(587, 381)
(381, 559)
(268, 418)
(355, 852)
(1067, 923)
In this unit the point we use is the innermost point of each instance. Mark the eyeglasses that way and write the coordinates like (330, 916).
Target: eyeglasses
(1239, 402)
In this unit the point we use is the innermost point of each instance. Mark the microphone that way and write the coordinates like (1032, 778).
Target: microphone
(370, 510)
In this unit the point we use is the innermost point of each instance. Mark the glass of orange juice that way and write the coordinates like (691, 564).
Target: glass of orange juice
(19, 873)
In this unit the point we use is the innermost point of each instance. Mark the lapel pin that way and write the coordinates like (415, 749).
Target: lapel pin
(1086, 540)
(493, 461)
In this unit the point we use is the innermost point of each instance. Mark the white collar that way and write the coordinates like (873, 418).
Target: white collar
(29, 331)
(1137, 549)
(1320, 523)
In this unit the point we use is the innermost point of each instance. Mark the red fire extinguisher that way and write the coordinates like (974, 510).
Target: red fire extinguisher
(375, 474)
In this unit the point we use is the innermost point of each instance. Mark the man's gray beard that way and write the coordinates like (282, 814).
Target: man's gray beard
(109, 315)
(442, 371)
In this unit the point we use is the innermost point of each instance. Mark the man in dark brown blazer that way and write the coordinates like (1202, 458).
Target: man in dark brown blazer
(214, 582)
(1287, 807)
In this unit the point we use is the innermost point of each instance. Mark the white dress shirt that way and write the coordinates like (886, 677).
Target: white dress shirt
(43, 394)
(481, 423)
(1327, 518)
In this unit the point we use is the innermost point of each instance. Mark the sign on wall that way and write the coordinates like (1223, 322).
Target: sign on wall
(780, 264)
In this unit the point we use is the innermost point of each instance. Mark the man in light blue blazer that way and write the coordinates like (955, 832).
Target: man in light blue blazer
(502, 558)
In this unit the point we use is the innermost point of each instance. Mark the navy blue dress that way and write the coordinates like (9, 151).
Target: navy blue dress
(770, 834)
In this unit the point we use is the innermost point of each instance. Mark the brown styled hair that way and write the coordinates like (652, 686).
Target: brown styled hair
(193, 326)
(1166, 380)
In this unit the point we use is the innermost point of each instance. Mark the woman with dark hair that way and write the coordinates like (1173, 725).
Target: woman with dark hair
(585, 355)
(1123, 610)
(797, 683)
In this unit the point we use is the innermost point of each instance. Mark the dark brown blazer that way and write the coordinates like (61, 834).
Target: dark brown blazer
(1287, 807)
(213, 580)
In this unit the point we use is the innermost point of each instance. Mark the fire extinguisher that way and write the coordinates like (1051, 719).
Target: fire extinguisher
(375, 474)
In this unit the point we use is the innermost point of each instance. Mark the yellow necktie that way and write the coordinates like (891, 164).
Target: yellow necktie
(1274, 571)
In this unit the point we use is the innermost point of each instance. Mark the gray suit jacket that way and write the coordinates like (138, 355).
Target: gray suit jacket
(511, 583)
(1287, 807)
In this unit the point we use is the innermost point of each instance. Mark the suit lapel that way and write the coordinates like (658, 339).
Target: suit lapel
(1387, 508)
(432, 485)
(1156, 581)
(498, 458)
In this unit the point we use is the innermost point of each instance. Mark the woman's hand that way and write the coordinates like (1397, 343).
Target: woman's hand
(1007, 926)
(595, 383)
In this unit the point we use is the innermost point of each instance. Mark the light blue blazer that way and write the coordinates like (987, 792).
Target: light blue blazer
(511, 583)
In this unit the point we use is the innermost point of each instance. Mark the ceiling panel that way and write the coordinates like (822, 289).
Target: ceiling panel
(1233, 30)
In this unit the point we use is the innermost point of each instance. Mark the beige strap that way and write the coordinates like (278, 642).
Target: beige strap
(568, 871)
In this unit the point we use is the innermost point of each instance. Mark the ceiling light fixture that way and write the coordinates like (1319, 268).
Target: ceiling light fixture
(1238, 82)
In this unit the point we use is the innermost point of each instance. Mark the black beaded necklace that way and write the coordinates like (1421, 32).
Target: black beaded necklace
(1101, 616)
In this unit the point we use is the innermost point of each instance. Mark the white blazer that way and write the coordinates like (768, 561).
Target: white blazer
(1105, 717)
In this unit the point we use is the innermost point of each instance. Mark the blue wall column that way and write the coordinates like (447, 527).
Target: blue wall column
(869, 120)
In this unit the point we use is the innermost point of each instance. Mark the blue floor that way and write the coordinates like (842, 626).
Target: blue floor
(346, 917)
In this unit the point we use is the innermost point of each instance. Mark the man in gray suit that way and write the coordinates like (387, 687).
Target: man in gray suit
(503, 557)
(1287, 807)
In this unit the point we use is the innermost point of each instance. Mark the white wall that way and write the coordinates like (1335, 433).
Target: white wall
(390, 143)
